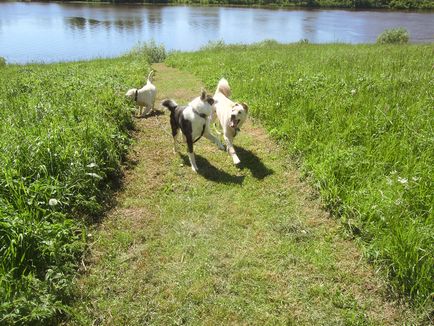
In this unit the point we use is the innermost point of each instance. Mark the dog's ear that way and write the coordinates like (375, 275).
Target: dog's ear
(203, 94)
(211, 101)
(244, 105)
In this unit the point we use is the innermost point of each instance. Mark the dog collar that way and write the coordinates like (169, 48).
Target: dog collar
(135, 95)
(202, 115)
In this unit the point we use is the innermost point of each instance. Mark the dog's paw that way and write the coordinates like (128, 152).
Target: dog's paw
(236, 160)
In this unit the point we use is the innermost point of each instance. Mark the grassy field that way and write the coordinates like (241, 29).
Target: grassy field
(228, 246)
(360, 120)
(64, 131)
(246, 245)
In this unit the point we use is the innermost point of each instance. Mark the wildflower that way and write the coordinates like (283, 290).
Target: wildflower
(402, 180)
(353, 91)
(94, 175)
(53, 202)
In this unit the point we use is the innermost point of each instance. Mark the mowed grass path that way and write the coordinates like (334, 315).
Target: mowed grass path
(229, 245)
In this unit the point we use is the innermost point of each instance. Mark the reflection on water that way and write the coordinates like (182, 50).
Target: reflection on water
(56, 31)
(119, 24)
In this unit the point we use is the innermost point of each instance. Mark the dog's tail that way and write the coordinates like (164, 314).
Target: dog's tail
(169, 104)
(150, 76)
(223, 87)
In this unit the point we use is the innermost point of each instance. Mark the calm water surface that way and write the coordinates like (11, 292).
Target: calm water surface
(64, 32)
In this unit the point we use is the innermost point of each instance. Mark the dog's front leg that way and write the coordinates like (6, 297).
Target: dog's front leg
(191, 156)
(231, 149)
(207, 134)
(147, 110)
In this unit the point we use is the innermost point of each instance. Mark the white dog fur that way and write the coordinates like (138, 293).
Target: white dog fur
(144, 97)
(193, 120)
(231, 115)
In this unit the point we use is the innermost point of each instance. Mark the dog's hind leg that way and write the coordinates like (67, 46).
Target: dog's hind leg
(175, 134)
(231, 150)
(207, 134)
(191, 156)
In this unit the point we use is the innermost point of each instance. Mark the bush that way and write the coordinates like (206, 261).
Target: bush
(394, 36)
(214, 45)
(2, 62)
(155, 53)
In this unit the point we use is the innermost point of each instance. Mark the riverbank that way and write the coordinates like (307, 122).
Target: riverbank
(292, 4)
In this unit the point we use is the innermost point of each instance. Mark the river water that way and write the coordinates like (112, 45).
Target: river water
(52, 32)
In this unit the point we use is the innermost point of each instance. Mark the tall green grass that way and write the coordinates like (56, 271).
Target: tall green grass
(360, 119)
(64, 132)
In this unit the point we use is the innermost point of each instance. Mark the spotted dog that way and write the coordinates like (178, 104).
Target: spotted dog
(193, 120)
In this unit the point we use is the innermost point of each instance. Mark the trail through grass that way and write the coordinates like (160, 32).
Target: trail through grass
(229, 245)
(359, 118)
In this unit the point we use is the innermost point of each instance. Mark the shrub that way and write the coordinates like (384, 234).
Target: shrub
(214, 45)
(394, 36)
(155, 52)
(2, 62)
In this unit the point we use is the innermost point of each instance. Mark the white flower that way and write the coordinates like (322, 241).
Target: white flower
(94, 175)
(92, 165)
(402, 180)
(53, 202)
(353, 91)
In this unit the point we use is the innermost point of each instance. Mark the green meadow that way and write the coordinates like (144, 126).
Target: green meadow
(359, 119)
(355, 120)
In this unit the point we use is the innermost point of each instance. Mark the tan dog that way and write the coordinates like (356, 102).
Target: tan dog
(231, 115)
(144, 97)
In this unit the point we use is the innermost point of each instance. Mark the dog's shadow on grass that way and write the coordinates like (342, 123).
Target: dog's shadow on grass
(250, 161)
(210, 172)
(153, 113)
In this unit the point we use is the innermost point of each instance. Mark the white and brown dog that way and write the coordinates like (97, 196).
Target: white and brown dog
(231, 116)
(144, 97)
(193, 120)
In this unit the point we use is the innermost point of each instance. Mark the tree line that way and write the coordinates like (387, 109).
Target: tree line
(383, 4)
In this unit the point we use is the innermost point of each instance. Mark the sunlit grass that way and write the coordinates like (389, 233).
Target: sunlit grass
(64, 132)
(360, 118)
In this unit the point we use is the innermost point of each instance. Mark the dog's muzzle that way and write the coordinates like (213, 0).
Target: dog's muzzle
(234, 122)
